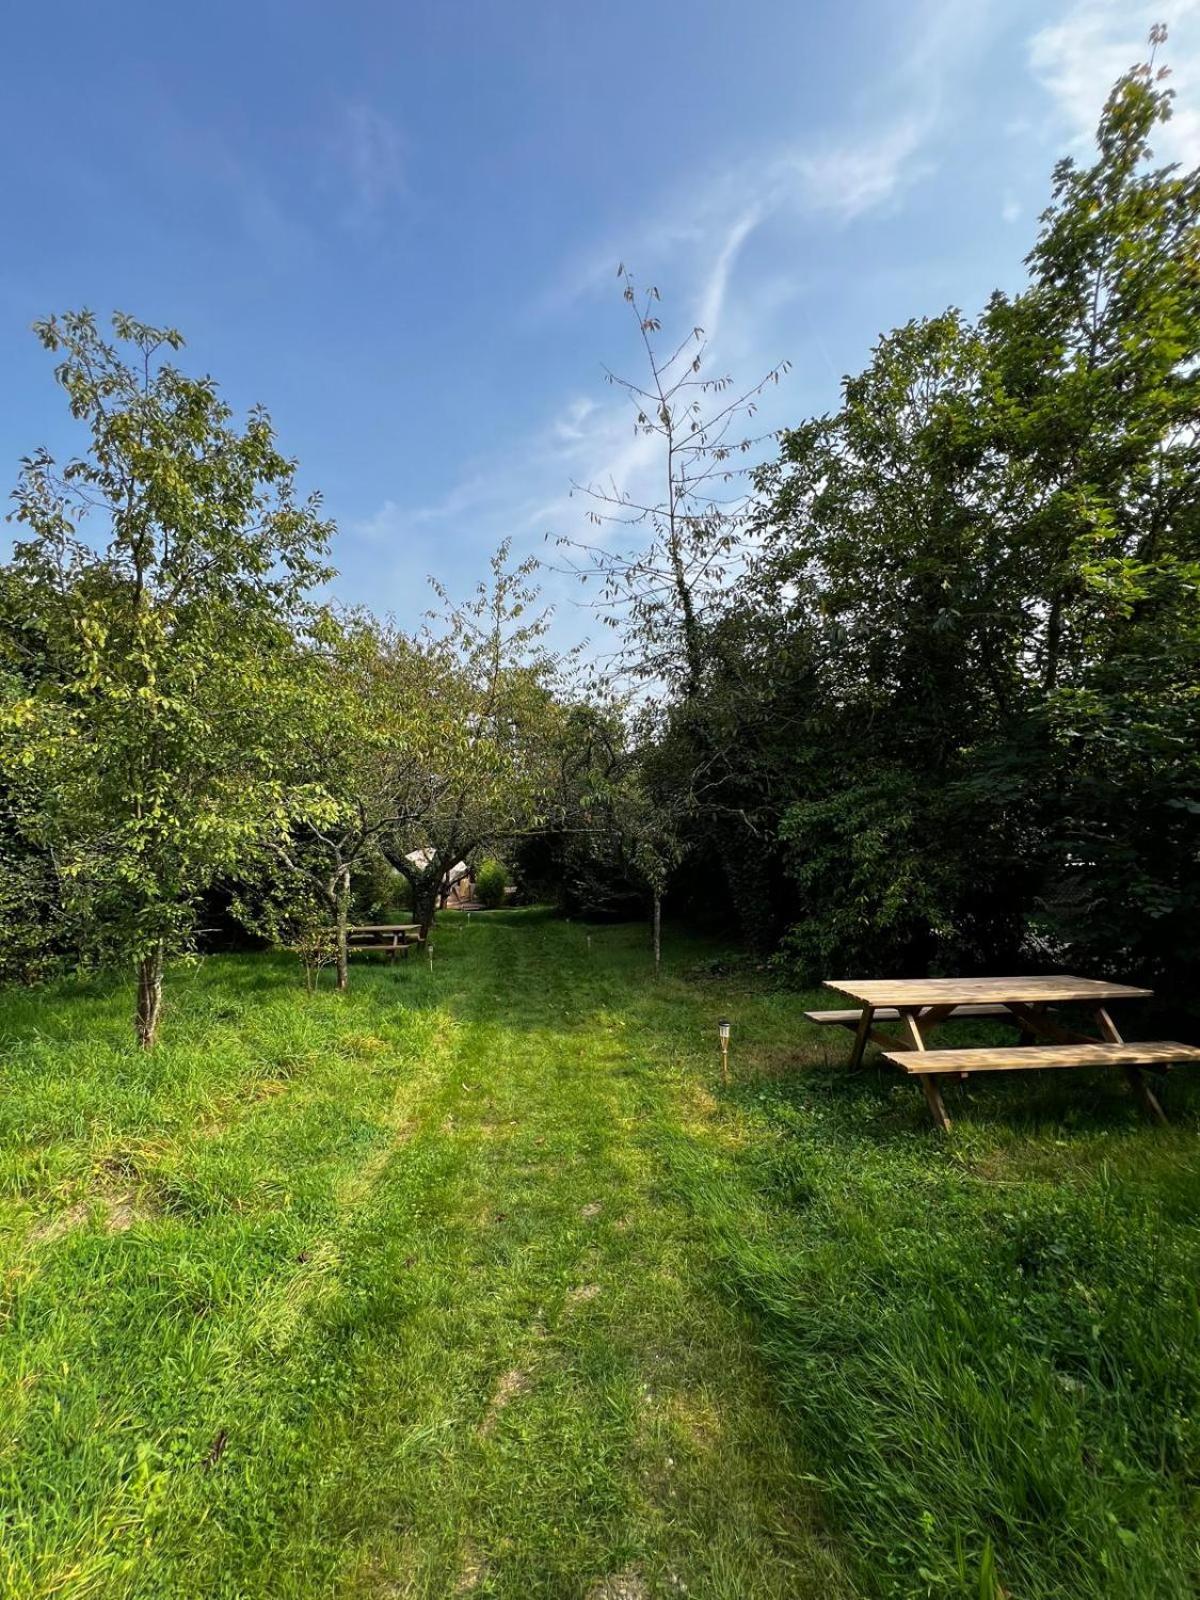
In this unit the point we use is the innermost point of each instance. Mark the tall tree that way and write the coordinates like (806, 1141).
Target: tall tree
(144, 753)
(482, 709)
(613, 818)
(666, 573)
(1096, 403)
(880, 533)
(346, 766)
(996, 539)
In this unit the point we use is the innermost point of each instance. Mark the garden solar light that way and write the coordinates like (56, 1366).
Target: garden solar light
(723, 1032)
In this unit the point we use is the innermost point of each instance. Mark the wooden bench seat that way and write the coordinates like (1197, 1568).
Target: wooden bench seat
(1033, 1058)
(390, 939)
(357, 944)
(850, 1019)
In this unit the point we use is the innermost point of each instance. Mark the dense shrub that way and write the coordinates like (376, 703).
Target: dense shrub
(491, 883)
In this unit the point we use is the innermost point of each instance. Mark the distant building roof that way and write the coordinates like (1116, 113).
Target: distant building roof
(421, 858)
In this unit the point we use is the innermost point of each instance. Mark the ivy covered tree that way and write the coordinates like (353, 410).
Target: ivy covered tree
(160, 576)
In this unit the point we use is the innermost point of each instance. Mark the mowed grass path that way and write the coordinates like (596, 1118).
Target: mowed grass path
(478, 1282)
(375, 1295)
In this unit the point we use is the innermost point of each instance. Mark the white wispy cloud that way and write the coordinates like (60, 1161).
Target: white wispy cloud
(838, 179)
(711, 302)
(696, 240)
(569, 425)
(850, 180)
(368, 149)
(1079, 57)
(885, 147)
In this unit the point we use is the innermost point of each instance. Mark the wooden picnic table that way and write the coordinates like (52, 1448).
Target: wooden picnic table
(922, 1005)
(392, 937)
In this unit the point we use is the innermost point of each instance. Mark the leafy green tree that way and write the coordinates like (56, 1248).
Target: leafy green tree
(880, 536)
(344, 759)
(994, 543)
(141, 747)
(1095, 403)
(615, 818)
(482, 713)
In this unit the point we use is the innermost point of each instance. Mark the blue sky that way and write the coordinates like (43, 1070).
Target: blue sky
(398, 225)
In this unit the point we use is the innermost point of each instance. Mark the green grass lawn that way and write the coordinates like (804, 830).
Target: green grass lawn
(477, 1282)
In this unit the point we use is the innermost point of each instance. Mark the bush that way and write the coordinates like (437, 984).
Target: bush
(491, 881)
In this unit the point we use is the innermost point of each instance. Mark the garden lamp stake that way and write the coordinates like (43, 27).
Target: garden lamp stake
(723, 1034)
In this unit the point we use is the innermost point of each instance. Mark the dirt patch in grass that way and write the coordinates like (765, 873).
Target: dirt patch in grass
(118, 1211)
(592, 1209)
(627, 1585)
(511, 1386)
(122, 1211)
(694, 1419)
(471, 1573)
(582, 1293)
(61, 1223)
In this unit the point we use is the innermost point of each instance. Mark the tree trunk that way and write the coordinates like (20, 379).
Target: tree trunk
(149, 996)
(343, 922)
(657, 933)
(1054, 631)
(425, 899)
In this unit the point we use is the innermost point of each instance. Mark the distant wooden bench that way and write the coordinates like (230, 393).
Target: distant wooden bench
(392, 938)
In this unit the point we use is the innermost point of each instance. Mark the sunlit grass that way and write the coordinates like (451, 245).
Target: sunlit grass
(375, 1294)
(479, 1282)
(989, 1345)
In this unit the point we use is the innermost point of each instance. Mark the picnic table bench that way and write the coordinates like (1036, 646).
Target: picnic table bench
(1046, 1041)
(396, 938)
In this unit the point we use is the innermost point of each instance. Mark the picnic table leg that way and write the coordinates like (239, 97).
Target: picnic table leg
(929, 1087)
(1026, 1035)
(1037, 1022)
(1143, 1093)
(860, 1036)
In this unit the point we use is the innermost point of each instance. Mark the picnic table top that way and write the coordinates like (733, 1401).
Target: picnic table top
(1057, 987)
(384, 927)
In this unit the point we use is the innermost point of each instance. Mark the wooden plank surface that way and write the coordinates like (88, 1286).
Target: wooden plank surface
(384, 927)
(849, 1019)
(1033, 1058)
(1056, 988)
